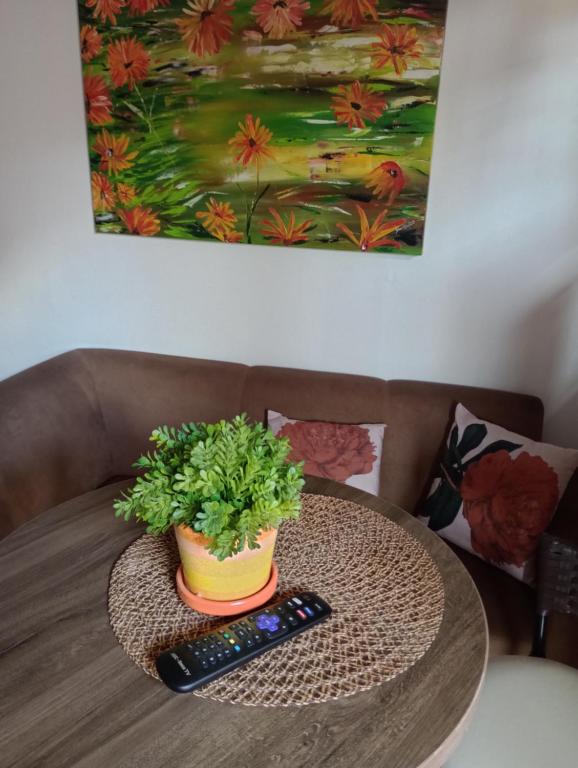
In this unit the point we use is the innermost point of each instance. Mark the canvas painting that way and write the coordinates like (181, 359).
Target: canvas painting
(303, 123)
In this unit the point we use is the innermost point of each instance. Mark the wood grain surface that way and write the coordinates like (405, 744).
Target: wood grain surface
(71, 697)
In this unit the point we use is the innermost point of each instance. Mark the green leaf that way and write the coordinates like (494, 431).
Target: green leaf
(442, 506)
(499, 445)
(452, 465)
(228, 480)
(473, 435)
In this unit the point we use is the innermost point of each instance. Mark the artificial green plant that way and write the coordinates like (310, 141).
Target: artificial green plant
(229, 481)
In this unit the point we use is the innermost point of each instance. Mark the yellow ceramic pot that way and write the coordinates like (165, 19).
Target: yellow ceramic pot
(231, 579)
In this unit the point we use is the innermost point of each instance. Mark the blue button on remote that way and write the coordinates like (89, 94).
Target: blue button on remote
(268, 621)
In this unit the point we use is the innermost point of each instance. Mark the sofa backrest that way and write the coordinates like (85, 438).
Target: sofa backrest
(138, 391)
(76, 421)
(54, 443)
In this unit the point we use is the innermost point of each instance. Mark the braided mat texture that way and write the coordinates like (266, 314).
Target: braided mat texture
(385, 590)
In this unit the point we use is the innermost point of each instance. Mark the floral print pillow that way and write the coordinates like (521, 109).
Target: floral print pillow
(497, 492)
(348, 453)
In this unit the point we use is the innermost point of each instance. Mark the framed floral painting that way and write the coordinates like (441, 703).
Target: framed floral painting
(282, 122)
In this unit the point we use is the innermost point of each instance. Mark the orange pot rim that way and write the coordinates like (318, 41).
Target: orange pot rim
(203, 541)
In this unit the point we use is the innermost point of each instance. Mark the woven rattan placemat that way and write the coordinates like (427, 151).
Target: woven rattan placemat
(385, 590)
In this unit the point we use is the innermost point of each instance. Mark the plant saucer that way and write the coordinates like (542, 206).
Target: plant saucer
(226, 607)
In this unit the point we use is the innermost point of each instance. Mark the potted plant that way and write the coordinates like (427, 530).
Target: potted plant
(225, 488)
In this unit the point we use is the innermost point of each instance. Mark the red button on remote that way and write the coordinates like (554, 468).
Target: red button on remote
(301, 614)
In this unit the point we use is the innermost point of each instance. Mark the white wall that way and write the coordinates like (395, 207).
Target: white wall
(493, 301)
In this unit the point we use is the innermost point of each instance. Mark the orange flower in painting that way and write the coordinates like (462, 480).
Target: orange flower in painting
(126, 193)
(90, 43)
(230, 236)
(284, 233)
(218, 218)
(207, 26)
(278, 18)
(374, 235)
(128, 61)
(103, 198)
(397, 44)
(106, 9)
(386, 179)
(355, 104)
(97, 100)
(350, 13)
(113, 151)
(140, 7)
(251, 140)
(140, 221)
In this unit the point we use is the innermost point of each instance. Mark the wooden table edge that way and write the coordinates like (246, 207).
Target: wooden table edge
(445, 750)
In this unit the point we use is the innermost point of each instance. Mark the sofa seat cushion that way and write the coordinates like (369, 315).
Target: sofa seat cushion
(509, 605)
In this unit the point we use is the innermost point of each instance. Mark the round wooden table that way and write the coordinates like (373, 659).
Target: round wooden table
(70, 696)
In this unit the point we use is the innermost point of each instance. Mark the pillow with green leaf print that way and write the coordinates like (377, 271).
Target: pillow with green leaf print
(497, 492)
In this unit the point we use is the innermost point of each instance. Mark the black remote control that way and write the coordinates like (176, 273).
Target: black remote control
(192, 664)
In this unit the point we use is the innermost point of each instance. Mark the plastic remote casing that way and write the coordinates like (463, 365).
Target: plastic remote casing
(195, 663)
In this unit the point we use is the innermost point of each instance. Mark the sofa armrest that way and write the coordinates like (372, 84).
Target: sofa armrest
(54, 444)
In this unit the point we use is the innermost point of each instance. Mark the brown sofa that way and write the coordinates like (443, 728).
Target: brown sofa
(79, 420)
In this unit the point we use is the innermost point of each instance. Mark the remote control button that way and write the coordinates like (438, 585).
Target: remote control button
(301, 614)
(297, 601)
(227, 652)
(277, 633)
(249, 643)
(257, 637)
(269, 622)
(308, 611)
(226, 635)
(237, 648)
(204, 665)
(231, 641)
(220, 656)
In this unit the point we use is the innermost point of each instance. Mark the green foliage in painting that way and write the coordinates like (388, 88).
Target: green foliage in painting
(293, 123)
(229, 481)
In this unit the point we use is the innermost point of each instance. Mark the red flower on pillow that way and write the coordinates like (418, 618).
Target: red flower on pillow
(508, 504)
(335, 451)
